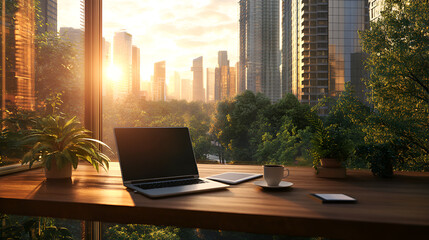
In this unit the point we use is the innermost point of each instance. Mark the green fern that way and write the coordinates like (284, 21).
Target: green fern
(65, 141)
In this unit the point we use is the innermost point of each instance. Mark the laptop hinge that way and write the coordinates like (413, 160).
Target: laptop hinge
(163, 179)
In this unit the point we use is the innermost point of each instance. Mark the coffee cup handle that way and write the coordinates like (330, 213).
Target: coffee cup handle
(287, 173)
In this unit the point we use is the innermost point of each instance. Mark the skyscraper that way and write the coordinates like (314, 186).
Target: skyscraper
(135, 70)
(122, 59)
(217, 86)
(259, 47)
(223, 77)
(176, 82)
(158, 85)
(197, 83)
(375, 7)
(48, 16)
(22, 87)
(242, 48)
(210, 85)
(321, 50)
(185, 89)
(232, 82)
(224, 82)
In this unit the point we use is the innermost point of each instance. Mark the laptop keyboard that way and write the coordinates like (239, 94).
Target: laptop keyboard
(169, 183)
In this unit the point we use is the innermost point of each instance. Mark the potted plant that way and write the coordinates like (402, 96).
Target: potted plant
(330, 148)
(59, 144)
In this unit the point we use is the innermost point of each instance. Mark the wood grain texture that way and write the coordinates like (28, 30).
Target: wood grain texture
(396, 208)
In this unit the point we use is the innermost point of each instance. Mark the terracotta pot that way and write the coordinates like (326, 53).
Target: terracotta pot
(55, 173)
(330, 163)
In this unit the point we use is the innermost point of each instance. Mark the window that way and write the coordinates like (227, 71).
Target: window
(41, 66)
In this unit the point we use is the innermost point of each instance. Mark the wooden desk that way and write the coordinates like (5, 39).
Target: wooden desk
(395, 208)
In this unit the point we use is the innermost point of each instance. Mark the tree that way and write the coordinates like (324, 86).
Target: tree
(398, 48)
(140, 231)
(57, 71)
(285, 146)
(236, 125)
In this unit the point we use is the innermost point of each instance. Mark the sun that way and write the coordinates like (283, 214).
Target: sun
(114, 73)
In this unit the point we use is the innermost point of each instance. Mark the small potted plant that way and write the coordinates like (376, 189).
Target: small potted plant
(330, 148)
(59, 144)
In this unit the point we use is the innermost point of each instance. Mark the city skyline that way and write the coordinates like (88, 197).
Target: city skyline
(259, 48)
(177, 35)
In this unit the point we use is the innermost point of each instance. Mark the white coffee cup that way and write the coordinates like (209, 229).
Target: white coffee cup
(273, 174)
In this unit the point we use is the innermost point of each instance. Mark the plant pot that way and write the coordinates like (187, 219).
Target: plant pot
(56, 173)
(330, 163)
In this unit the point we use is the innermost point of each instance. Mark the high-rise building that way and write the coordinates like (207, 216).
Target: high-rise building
(175, 81)
(222, 58)
(185, 93)
(122, 60)
(375, 7)
(21, 90)
(232, 82)
(48, 16)
(242, 48)
(210, 85)
(224, 82)
(222, 77)
(197, 83)
(158, 84)
(259, 47)
(135, 70)
(217, 85)
(321, 50)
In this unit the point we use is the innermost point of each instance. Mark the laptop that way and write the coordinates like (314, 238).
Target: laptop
(160, 162)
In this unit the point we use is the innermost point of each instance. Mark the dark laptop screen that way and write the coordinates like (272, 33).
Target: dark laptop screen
(149, 153)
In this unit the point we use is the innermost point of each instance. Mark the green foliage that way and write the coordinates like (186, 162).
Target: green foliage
(56, 138)
(36, 228)
(236, 125)
(16, 125)
(139, 231)
(251, 129)
(286, 146)
(328, 141)
(59, 69)
(398, 48)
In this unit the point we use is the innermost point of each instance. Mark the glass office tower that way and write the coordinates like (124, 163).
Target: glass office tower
(321, 48)
(259, 47)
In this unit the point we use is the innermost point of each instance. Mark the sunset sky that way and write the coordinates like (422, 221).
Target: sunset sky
(174, 31)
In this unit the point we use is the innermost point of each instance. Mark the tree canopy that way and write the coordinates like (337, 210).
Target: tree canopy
(398, 62)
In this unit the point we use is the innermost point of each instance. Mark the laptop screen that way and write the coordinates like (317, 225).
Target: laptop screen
(152, 153)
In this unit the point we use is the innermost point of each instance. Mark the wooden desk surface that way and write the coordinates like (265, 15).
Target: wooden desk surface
(386, 209)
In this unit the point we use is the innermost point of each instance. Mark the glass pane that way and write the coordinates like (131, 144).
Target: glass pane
(41, 68)
(161, 66)
(179, 66)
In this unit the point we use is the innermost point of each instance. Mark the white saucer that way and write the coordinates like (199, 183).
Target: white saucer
(282, 184)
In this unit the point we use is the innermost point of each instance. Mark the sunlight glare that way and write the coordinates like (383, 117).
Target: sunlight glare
(114, 73)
